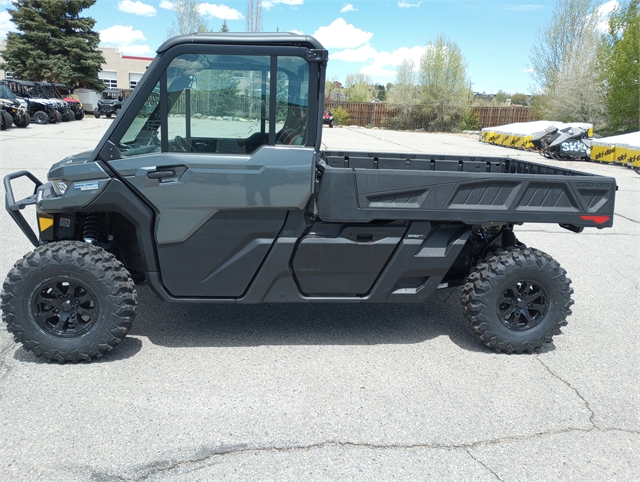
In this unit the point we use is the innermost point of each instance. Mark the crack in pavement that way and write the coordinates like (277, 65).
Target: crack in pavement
(575, 390)
(5, 368)
(478, 461)
(624, 217)
(209, 454)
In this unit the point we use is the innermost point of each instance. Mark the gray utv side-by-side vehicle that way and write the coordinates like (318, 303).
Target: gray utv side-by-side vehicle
(110, 103)
(211, 187)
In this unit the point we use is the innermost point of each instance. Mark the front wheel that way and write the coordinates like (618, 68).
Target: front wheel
(80, 115)
(68, 301)
(7, 120)
(516, 300)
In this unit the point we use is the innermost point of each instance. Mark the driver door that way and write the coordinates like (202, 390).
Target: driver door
(202, 150)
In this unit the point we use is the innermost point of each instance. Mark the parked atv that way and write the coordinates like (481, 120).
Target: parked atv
(74, 103)
(110, 104)
(13, 108)
(41, 111)
(570, 143)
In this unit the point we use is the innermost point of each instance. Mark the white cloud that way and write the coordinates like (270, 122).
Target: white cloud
(6, 25)
(604, 12)
(166, 4)
(137, 8)
(385, 63)
(267, 4)
(348, 8)
(297, 31)
(404, 4)
(120, 35)
(528, 71)
(341, 35)
(361, 54)
(136, 50)
(219, 11)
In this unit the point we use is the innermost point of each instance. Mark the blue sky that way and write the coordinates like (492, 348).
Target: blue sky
(366, 36)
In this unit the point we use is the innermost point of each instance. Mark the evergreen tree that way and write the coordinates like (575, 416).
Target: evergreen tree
(225, 27)
(54, 43)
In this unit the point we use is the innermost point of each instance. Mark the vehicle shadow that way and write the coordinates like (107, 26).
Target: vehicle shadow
(228, 325)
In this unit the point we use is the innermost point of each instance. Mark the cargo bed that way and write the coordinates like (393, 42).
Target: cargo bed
(362, 187)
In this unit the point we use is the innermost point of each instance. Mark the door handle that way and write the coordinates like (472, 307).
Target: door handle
(165, 174)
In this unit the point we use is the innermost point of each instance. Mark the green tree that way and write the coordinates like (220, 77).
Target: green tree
(620, 67)
(225, 27)
(404, 95)
(519, 99)
(54, 43)
(358, 87)
(500, 98)
(564, 60)
(188, 19)
(443, 86)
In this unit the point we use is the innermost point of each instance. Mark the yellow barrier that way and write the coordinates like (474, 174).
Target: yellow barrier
(603, 153)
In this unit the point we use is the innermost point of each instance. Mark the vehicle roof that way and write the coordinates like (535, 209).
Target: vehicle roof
(112, 91)
(242, 38)
(27, 83)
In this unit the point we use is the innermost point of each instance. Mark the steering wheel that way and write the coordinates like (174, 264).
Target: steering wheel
(183, 144)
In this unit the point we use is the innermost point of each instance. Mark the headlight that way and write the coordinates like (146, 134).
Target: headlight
(59, 187)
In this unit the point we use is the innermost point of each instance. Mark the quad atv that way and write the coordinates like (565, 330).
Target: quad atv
(41, 111)
(110, 103)
(74, 102)
(13, 108)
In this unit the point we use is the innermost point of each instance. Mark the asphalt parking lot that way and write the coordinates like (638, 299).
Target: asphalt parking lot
(336, 392)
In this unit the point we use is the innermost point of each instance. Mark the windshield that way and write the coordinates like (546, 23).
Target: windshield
(5, 92)
(112, 95)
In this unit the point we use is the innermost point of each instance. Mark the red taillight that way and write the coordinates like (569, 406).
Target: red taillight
(596, 219)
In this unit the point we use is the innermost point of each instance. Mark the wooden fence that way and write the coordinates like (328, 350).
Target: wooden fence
(498, 116)
(377, 114)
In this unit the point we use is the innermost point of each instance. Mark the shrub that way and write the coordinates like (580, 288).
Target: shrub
(341, 116)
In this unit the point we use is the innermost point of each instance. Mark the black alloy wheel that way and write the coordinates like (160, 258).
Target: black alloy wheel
(65, 307)
(523, 305)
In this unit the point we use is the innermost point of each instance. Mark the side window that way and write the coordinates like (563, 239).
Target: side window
(143, 135)
(223, 104)
(218, 103)
(292, 101)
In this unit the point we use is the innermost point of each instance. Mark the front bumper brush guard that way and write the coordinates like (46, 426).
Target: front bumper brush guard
(14, 208)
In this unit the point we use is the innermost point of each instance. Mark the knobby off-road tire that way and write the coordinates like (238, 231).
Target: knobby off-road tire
(41, 117)
(69, 301)
(8, 120)
(516, 300)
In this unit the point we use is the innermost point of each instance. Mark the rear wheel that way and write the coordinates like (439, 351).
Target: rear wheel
(40, 117)
(516, 300)
(68, 301)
